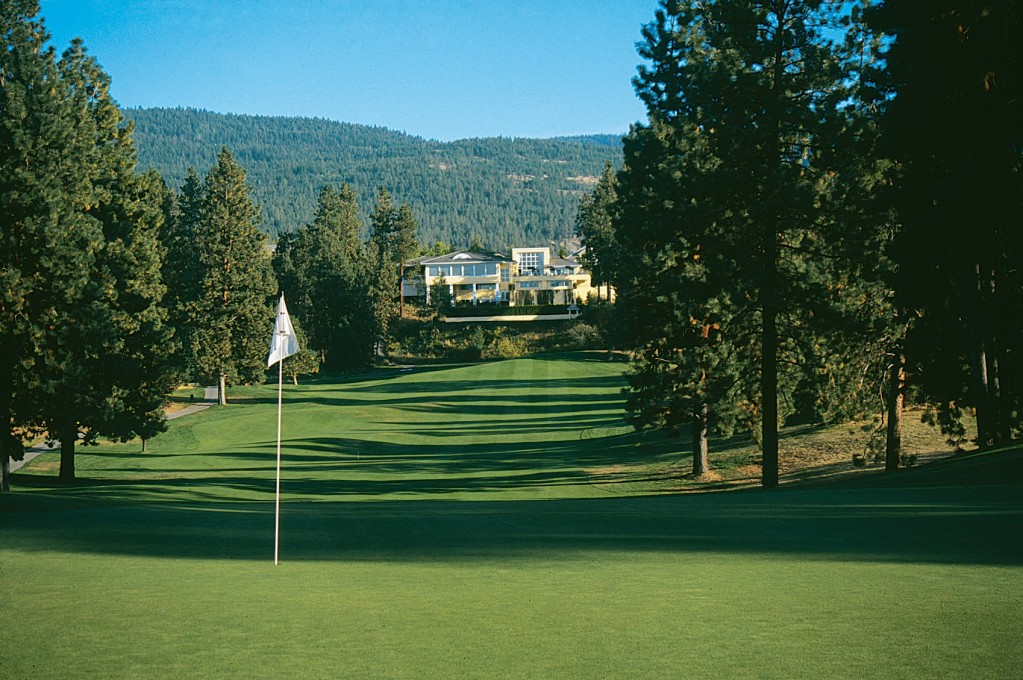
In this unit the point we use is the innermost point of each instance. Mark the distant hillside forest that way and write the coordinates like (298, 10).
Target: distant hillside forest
(505, 191)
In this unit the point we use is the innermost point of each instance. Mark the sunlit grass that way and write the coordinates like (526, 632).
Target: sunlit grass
(494, 521)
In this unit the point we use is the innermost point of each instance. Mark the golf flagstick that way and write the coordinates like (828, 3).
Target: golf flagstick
(277, 497)
(283, 344)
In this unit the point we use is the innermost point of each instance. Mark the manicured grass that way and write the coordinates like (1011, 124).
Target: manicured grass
(494, 521)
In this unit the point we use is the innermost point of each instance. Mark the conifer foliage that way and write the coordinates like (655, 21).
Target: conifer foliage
(226, 303)
(951, 98)
(393, 239)
(594, 224)
(82, 352)
(733, 245)
(323, 270)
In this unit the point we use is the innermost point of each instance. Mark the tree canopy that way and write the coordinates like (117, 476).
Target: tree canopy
(324, 271)
(738, 254)
(951, 105)
(227, 301)
(83, 352)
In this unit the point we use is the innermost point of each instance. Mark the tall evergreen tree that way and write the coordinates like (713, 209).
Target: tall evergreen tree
(81, 271)
(952, 104)
(594, 224)
(675, 294)
(385, 273)
(231, 299)
(143, 364)
(181, 270)
(101, 378)
(48, 241)
(729, 220)
(393, 239)
(322, 268)
(406, 246)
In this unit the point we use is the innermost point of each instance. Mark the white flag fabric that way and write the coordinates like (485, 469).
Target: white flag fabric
(284, 342)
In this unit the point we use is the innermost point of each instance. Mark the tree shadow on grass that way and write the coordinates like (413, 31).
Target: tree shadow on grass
(223, 509)
(935, 525)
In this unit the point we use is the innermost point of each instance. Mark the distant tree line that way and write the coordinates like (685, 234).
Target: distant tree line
(509, 192)
(822, 212)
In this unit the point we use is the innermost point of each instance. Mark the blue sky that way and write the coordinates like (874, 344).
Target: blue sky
(441, 69)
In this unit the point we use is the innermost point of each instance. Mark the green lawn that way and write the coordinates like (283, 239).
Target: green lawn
(494, 521)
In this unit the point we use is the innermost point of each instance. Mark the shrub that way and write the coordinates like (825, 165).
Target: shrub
(506, 347)
(583, 336)
(476, 343)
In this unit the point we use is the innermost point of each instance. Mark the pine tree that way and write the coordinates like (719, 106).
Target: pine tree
(674, 295)
(406, 245)
(102, 377)
(82, 284)
(231, 303)
(182, 273)
(594, 224)
(322, 268)
(39, 264)
(140, 364)
(952, 105)
(729, 229)
(393, 240)
(385, 272)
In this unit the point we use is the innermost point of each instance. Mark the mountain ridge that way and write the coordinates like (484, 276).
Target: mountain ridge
(506, 191)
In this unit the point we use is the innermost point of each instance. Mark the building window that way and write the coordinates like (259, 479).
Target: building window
(529, 284)
(481, 269)
(532, 261)
(561, 284)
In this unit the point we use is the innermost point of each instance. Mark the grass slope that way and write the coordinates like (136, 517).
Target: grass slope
(456, 522)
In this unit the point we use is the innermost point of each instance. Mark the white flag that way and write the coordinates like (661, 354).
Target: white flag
(284, 342)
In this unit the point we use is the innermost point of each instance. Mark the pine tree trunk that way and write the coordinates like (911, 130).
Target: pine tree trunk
(6, 429)
(769, 396)
(978, 365)
(5, 468)
(222, 390)
(769, 286)
(68, 431)
(1003, 311)
(1002, 403)
(6, 440)
(769, 359)
(896, 401)
(701, 463)
(6, 437)
(978, 361)
(995, 416)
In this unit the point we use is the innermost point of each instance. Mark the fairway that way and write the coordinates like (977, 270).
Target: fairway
(492, 520)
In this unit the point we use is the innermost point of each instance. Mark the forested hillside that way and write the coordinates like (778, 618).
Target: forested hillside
(506, 191)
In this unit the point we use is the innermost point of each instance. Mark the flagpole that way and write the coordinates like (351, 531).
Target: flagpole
(276, 520)
(283, 344)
